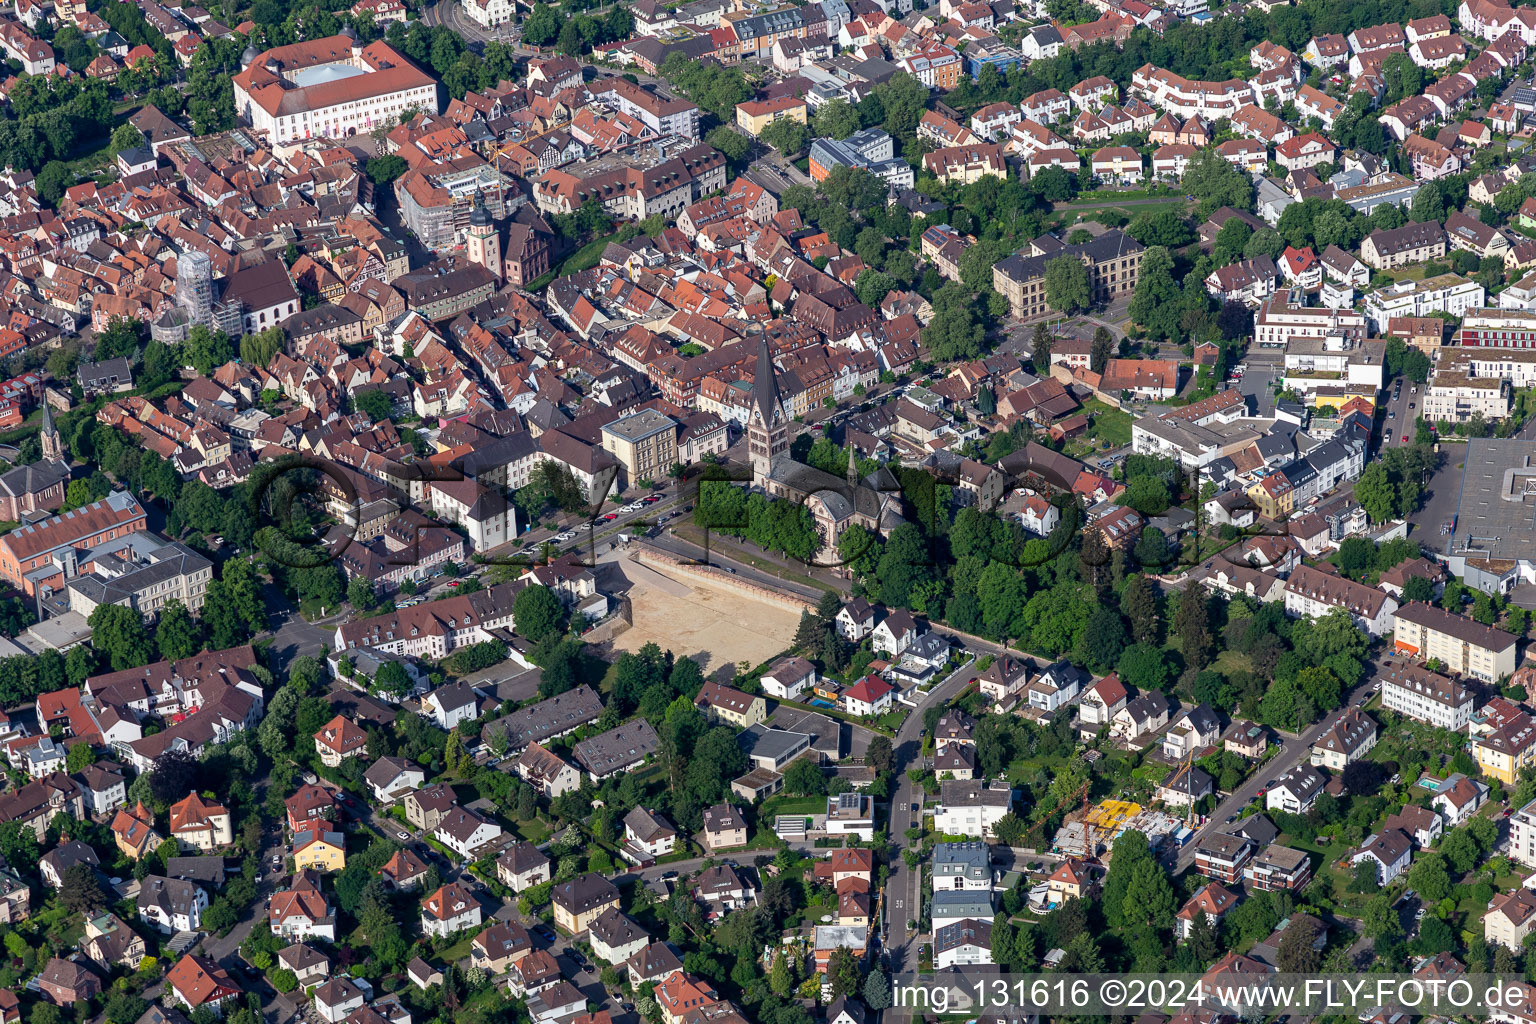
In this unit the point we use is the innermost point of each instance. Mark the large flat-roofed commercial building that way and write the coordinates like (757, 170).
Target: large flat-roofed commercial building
(1113, 260)
(330, 88)
(1492, 543)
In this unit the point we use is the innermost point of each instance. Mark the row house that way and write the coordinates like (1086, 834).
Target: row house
(1046, 106)
(1188, 97)
(1312, 102)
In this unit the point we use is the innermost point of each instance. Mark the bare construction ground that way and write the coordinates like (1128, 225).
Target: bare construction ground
(717, 626)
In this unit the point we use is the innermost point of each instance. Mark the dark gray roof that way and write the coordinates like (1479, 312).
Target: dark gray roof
(33, 478)
(617, 748)
(1109, 245)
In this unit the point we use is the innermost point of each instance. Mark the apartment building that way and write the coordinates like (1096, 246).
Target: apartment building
(1311, 593)
(1511, 917)
(971, 808)
(1445, 293)
(37, 554)
(1522, 835)
(433, 630)
(665, 117)
(1350, 736)
(1465, 647)
(1279, 869)
(1187, 97)
(1456, 396)
(645, 443)
(1223, 857)
(1389, 248)
(1279, 321)
(1426, 696)
(1498, 329)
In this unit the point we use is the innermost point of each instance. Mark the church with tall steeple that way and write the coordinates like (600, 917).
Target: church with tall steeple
(767, 425)
(873, 502)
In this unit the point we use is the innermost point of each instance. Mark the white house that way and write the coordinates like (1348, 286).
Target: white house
(851, 814)
(390, 778)
(450, 704)
(650, 834)
(963, 944)
(1459, 798)
(869, 696)
(1350, 737)
(1390, 850)
(856, 620)
(895, 633)
(1191, 732)
(1039, 516)
(1296, 791)
(971, 808)
(788, 678)
(463, 831)
(338, 999)
(489, 13)
(450, 910)
(615, 938)
(1101, 703)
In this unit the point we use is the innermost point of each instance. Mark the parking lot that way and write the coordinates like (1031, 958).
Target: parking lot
(633, 507)
(1262, 369)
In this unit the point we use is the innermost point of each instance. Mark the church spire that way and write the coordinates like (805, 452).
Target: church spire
(765, 388)
(53, 444)
(767, 426)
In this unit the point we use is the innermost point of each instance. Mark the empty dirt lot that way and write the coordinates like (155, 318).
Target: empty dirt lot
(714, 625)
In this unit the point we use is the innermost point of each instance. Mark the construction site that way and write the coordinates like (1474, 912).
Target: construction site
(1090, 832)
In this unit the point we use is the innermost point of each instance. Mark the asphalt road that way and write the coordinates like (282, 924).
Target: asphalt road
(294, 637)
(903, 889)
(1398, 429)
(1292, 750)
(677, 546)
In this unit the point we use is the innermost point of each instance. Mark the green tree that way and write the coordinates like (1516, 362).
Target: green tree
(1067, 288)
(80, 892)
(1155, 302)
(538, 613)
(1192, 623)
(79, 757)
(1040, 348)
(877, 991)
(126, 136)
(392, 679)
(1103, 348)
(786, 135)
(374, 404)
(119, 633)
(541, 26)
(1122, 867)
(734, 145)
(385, 169)
(177, 634)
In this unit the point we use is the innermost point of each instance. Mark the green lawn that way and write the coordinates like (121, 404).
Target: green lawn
(777, 805)
(1112, 426)
(1228, 662)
